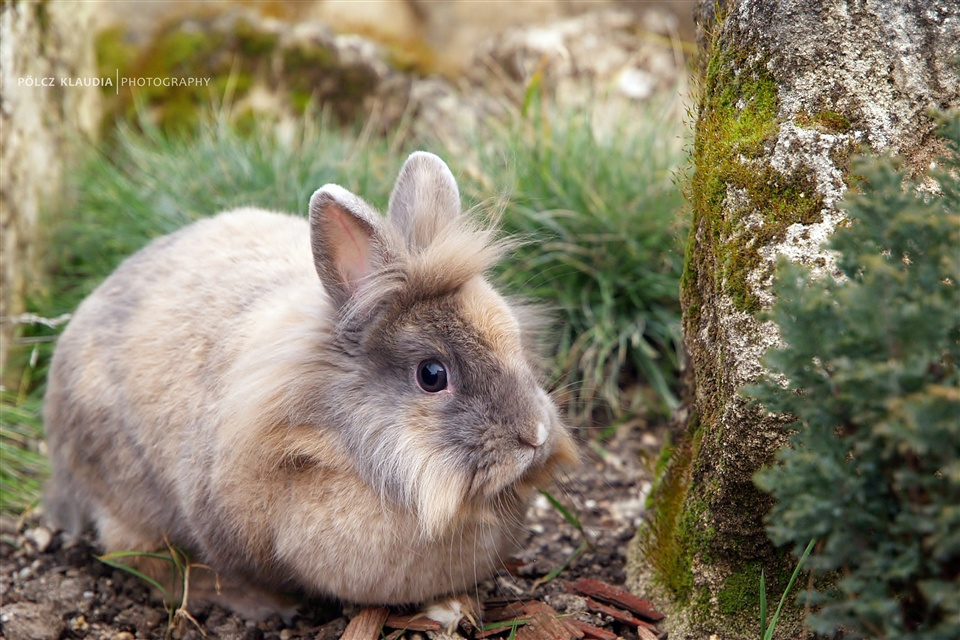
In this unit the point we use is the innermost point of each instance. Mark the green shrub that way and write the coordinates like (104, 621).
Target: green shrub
(870, 370)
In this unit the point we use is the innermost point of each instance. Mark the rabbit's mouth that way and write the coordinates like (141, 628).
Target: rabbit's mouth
(528, 467)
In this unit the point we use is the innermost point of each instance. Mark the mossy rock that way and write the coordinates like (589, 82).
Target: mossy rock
(232, 57)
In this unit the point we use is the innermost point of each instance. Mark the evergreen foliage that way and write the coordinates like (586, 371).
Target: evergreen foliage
(870, 371)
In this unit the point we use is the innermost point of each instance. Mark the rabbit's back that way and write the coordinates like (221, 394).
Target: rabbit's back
(138, 374)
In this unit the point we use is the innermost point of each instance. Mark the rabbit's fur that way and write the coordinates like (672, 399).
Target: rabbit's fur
(215, 393)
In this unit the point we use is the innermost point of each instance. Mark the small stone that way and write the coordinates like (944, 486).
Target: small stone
(567, 602)
(41, 537)
(30, 621)
(80, 624)
(636, 84)
(122, 635)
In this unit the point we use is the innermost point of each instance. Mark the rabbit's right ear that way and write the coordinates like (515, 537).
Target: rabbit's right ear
(345, 234)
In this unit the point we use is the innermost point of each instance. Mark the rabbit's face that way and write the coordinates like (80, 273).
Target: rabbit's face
(454, 417)
(470, 394)
(440, 400)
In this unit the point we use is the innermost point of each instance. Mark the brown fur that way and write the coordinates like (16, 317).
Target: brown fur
(214, 392)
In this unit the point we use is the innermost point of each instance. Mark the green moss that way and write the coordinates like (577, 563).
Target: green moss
(826, 121)
(228, 61)
(183, 51)
(113, 53)
(308, 61)
(736, 126)
(670, 538)
(355, 83)
(252, 42)
(741, 591)
(315, 72)
(308, 68)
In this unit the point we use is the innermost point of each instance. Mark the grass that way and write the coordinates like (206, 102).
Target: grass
(176, 599)
(767, 629)
(597, 204)
(574, 521)
(148, 183)
(23, 467)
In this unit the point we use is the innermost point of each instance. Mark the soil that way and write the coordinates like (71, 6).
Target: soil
(55, 590)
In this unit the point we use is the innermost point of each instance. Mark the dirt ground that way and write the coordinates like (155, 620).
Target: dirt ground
(53, 590)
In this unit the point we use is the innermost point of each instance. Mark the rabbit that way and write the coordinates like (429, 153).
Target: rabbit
(338, 407)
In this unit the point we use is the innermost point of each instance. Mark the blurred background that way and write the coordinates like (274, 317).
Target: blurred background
(123, 121)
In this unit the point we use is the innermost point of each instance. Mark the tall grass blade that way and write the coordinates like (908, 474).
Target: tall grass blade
(768, 633)
(763, 605)
(568, 515)
(112, 560)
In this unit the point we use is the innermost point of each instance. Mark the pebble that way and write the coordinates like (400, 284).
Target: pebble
(41, 537)
(567, 602)
(30, 621)
(79, 624)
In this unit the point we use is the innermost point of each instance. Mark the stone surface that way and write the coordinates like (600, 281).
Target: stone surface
(30, 621)
(43, 43)
(444, 34)
(800, 86)
(579, 59)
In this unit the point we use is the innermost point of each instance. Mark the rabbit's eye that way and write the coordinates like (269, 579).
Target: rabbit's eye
(432, 376)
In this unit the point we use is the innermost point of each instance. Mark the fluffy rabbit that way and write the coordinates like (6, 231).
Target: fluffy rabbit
(373, 434)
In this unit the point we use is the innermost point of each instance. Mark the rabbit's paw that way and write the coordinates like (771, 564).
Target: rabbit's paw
(451, 610)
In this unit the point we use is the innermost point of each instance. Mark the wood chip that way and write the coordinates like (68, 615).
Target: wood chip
(645, 634)
(613, 612)
(592, 632)
(367, 624)
(412, 622)
(616, 596)
(509, 611)
(497, 630)
(543, 626)
(618, 614)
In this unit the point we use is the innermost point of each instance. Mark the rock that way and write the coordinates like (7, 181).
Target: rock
(41, 537)
(30, 621)
(791, 88)
(41, 43)
(582, 58)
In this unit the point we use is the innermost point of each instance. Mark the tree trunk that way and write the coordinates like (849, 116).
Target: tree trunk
(790, 89)
(46, 51)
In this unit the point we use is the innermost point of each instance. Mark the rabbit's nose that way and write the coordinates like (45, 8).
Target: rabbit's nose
(536, 437)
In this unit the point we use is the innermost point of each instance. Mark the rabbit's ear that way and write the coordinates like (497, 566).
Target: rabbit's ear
(345, 234)
(424, 200)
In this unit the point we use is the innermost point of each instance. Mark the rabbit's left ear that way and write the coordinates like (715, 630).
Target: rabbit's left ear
(425, 199)
(347, 240)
